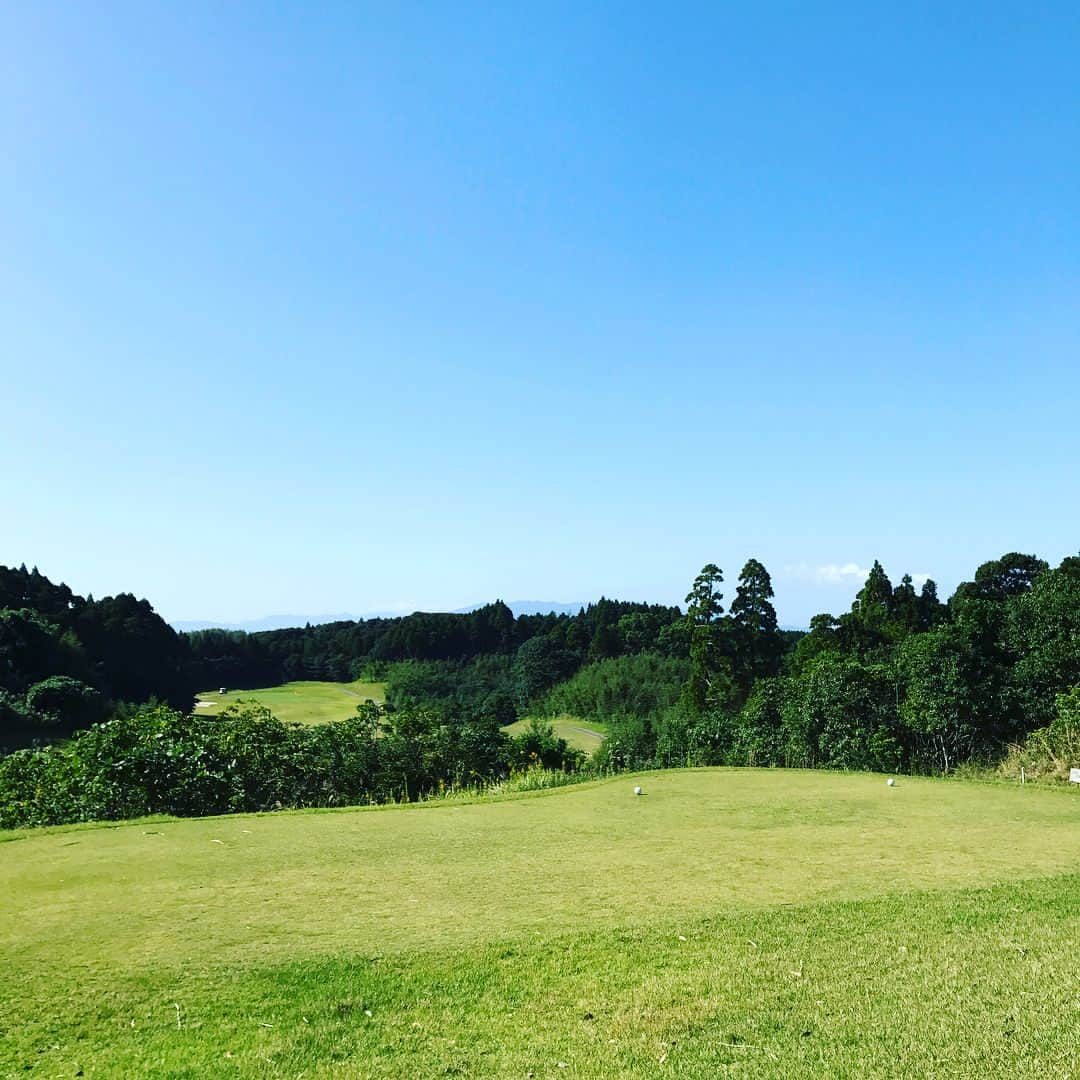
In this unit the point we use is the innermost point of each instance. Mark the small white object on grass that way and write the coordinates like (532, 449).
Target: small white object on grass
(637, 791)
(891, 782)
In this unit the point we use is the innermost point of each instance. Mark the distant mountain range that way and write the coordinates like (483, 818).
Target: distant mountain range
(284, 622)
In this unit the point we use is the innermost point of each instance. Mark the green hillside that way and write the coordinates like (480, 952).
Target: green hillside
(304, 702)
(772, 923)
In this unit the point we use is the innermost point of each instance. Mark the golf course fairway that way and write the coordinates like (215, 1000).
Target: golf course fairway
(725, 922)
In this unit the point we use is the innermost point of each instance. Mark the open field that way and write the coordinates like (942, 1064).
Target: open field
(584, 734)
(303, 702)
(744, 923)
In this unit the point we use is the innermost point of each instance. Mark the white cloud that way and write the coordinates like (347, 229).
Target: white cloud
(830, 574)
(849, 573)
(833, 574)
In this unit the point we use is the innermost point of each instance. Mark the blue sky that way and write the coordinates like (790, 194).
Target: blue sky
(356, 307)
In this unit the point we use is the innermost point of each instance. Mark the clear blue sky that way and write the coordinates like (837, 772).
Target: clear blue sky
(346, 307)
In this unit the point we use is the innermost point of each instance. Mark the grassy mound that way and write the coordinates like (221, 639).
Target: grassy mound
(765, 923)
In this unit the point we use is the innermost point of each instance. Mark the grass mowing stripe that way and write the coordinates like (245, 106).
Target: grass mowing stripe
(970, 984)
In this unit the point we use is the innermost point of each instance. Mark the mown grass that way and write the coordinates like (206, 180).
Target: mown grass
(726, 923)
(584, 735)
(302, 702)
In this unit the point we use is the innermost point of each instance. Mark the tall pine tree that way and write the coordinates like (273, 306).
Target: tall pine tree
(710, 682)
(756, 638)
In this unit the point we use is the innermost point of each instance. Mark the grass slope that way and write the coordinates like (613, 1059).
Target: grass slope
(583, 734)
(742, 922)
(304, 702)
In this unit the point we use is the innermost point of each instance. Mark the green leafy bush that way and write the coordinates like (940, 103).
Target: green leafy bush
(160, 761)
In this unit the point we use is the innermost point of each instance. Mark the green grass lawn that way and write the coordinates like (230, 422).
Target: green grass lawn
(304, 702)
(584, 734)
(744, 923)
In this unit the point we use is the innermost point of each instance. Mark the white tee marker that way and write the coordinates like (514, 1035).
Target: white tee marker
(891, 782)
(637, 791)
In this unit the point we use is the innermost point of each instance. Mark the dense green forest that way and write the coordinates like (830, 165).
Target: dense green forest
(66, 661)
(901, 681)
(348, 650)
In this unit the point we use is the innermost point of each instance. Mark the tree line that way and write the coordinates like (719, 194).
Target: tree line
(67, 661)
(901, 681)
(346, 650)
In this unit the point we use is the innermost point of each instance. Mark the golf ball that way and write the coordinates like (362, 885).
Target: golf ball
(891, 782)
(637, 791)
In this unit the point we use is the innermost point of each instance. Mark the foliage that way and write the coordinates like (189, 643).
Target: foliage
(757, 644)
(760, 738)
(363, 649)
(160, 761)
(65, 703)
(483, 686)
(901, 681)
(1041, 634)
(943, 708)
(1049, 753)
(642, 686)
(841, 714)
(118, 648)
(539, 664)
(539, 747)
(33, 648)
(710, 684)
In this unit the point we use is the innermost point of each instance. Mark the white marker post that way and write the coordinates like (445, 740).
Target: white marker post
(1074, 776)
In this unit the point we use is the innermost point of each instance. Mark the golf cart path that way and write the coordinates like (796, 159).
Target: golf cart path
(585, 731)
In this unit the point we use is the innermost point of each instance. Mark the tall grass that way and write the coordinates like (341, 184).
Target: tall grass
(1050, 752)
(533, 778)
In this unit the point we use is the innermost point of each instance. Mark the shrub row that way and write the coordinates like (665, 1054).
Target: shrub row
(160, 761)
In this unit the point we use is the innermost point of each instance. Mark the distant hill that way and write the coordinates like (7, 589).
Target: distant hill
(279, 622)
(284, 622)
(266, 622)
